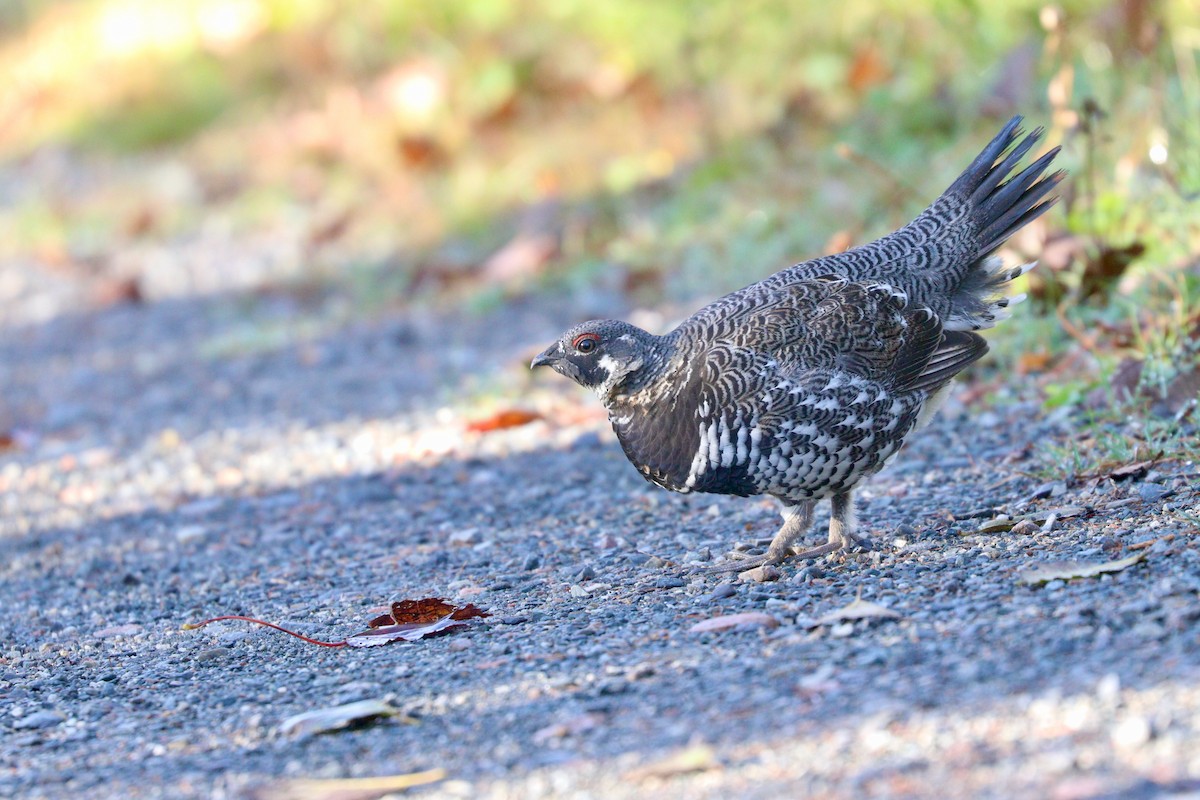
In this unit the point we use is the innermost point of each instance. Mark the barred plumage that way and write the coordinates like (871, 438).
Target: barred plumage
(801, 385)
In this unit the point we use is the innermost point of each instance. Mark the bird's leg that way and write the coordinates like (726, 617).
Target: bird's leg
(841, 529)
(796, 522)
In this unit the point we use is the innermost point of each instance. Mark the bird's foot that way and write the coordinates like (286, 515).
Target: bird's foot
(838, 543)
(740, 562)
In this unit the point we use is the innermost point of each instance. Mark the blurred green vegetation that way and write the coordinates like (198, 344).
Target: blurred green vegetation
(466, 151)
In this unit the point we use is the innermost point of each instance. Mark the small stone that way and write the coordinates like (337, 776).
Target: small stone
(1025, 528)
(906, 531)
(466, 536)
(513, 620)
(213, 653)
(1132, 732)
(640, 671)
(1152, 492)
(670, 582)
(190, 533)
(531, 563)
(585, 574)
(722, 591)
(38, 720)
(767, 572)
(578, 591)
(654, 562)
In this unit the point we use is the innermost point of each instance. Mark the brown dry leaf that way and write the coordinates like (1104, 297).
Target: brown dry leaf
(347, 788)
(747, 619)
(1070, 570)
(859, 609)
(7, 441)
(695, 758)
(412, 620)
(323, 720)
(867, 69)
(330, 230)
(1101, 272)
(1131, 471)
(1033, 362)
(508, 418)
(420, 152)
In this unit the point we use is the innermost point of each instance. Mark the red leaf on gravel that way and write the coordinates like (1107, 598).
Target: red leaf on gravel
(411, 620)
(509, 418)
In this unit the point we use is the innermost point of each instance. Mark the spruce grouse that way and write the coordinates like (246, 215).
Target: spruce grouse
(805, 383)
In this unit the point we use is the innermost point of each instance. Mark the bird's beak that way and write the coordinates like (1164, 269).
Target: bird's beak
(546, 357)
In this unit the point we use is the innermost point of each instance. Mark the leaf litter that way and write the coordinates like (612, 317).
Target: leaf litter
(408, 620)
(346, 788)
(742, 621)
(323, 720)
(1070, 570)
(855, 610)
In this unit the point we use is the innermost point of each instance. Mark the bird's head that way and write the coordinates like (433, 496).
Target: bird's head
(601, 355)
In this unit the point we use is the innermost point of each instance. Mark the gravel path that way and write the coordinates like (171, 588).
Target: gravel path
(180, 460)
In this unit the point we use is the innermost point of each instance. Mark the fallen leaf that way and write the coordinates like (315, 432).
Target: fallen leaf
(1072, 569)
(695, 758)
(867, 69)
(1033, 362)
(1134, 471)
(420, 152)
(346, 788)
(1101, 271)
(509, 418)
(323, 720)
(859, 609)
(411, 620)
(7, 441)
(330, 230)
(747, 619)
(1006, 523)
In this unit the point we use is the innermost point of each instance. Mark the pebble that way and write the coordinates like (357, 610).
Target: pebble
(531, 563)
(585, 574)
(721, 592)
(39, 720)
(670, 582)
(466, 536)
(1025, 528)
(762, 574)
(1152, 492)
(213, 654)
(1132, 732)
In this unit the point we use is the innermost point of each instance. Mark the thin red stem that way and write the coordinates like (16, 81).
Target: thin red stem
(193, 625)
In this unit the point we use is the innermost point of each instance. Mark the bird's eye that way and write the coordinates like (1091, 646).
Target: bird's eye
(585, 342)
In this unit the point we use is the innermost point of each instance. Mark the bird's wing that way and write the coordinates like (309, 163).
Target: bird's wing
(866, 329)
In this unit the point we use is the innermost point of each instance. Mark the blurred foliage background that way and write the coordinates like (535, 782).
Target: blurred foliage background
(620, 154)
